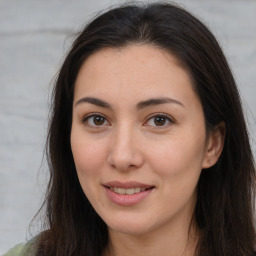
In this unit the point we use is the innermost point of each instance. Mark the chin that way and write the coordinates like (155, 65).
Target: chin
(130, 225)
(134, 230)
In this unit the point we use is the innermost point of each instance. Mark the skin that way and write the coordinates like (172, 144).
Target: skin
(127, 143)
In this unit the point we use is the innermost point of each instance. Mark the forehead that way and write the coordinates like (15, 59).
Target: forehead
(133, 70)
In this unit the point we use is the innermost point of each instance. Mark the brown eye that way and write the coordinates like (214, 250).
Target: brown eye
(94, 120)
(160, 120)
(98, 120)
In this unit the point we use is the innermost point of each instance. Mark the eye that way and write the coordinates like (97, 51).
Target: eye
(95, 120)
(159, 120)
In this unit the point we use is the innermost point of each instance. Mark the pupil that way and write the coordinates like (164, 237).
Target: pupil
(159, 120)
(98, 120)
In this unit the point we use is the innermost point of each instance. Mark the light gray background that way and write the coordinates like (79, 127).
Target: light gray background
(34, 35)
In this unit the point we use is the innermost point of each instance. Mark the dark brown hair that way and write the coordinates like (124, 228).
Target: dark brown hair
(225, 203)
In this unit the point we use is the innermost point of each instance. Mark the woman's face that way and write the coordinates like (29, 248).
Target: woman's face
(138, 138)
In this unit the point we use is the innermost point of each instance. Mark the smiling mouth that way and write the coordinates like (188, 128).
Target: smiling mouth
(127, 194)
(128, 191)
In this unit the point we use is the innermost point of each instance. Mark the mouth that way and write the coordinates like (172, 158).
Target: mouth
(128, 191)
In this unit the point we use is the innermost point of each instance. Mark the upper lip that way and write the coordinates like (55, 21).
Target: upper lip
(130, 184)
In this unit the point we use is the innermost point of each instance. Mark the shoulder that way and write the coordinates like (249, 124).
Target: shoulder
(16, 250)
(27, 249)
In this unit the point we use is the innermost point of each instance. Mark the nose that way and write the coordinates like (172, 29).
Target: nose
(124, 150)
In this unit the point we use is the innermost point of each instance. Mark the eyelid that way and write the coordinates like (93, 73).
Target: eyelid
(93, 114)
(168, 117)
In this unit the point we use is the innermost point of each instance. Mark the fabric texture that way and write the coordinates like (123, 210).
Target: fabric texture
(28, 249)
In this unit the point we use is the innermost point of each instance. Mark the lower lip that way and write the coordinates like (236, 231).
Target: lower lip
(127, 200)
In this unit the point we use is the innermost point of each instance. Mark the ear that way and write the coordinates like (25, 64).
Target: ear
(214, 145)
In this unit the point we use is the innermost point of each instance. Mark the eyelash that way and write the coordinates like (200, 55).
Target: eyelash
(85, 120)
(166, 117)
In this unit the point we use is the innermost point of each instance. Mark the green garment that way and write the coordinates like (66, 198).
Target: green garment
(28, 249)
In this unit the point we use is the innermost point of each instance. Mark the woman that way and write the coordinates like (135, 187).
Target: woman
(148, 148)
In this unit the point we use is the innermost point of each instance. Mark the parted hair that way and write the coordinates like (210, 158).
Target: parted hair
(224, 212)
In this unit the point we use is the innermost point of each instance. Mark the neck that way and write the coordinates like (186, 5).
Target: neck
(176, 242)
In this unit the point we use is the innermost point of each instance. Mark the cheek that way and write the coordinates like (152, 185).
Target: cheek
(83, 156)
(88, 157)
(86, 151)
(178, 159)
(88, 161)
(178, 165)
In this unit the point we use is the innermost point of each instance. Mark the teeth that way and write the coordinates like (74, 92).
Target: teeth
(136, 190)
(120, 190)
(127, 191)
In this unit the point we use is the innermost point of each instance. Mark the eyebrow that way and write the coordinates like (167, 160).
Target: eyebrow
(140, 105)
(157, 101)
(94, 101)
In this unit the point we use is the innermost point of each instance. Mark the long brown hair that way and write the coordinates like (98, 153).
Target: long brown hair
(225, 203)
